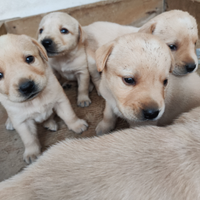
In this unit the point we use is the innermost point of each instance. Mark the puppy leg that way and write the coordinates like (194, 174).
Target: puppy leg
(9, 125)
(28, 134)
(83, 89)
(66, 113)
(50, 123)
(108, 122)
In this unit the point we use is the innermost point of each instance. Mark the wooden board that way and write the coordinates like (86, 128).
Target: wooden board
(2, 28)
(119, 11)
(191, 6)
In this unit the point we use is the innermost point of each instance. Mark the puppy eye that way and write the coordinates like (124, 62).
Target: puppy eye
(129, 81)
(195, 43)
(29, 59)
(64, 31)
(172, 47)
(165, 82)
(41, 30)
(1, 75)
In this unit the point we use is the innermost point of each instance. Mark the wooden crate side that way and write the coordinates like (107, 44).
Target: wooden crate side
(119, 11)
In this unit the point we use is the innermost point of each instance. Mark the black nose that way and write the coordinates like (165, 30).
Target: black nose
(47, 43)
(190, 67)
(150, 114)
(26, 88)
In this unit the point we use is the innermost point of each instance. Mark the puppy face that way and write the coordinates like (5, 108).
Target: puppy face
(135, 70)
(22, 67)
(179, 31)
(59, 33)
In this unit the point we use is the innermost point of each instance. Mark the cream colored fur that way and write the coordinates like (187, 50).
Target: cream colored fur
(142, 163)
(24, 113)
(67, 52)
(173, 27)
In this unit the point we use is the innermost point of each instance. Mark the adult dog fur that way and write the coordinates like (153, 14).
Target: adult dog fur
(62, 37)
(140, 102)
(143, 163)
(176, 28)
(30, 92)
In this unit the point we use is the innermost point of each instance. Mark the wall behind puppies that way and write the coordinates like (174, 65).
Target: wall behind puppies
(23, 8)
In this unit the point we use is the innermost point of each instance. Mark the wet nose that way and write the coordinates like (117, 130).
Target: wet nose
(27, 87)
(150, 114)
(47, 43)
(190, 67)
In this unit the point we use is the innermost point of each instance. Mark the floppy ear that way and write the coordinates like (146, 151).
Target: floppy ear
(41, 49)
(148, 28)
(81, 35)
(102, 54)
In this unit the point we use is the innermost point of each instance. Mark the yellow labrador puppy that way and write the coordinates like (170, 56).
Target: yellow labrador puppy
(134, 76)
(176, 28)
(30, 92)
(143, 163)
(62, 37)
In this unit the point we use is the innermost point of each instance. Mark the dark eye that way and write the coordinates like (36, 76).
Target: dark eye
(1, 75)
(41, 30)
(165, 82)
(172, 47)
(29, 59)
(64, 31)
(129, 81)
(195, 43)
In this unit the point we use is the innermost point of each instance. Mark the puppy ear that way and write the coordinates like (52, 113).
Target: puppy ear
(148, 28)
(41, 49)
(81, 36)
(102, 54)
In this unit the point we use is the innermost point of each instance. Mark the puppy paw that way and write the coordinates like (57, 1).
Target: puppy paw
(51, 125)
(83, 101)
(66, 85)
(79, 126)
(31, 153)
(9, 125)
(103, 128)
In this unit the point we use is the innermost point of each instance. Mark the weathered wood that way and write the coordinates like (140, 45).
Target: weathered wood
(2, 28)
(119, 11)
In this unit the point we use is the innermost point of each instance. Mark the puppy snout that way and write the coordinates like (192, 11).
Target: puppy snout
(190, 67)
(150, 114)
(47, 43)
(27, 87)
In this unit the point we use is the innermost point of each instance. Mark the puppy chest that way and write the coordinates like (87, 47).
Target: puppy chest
(43, 113)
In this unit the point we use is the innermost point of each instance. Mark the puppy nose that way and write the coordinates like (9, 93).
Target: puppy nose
(27, 87)
(47, 43)
(190, 67)
(150, 114)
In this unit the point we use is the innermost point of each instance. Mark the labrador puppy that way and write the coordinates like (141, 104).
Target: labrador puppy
(176, 28)
(134, 82)
(30, 92)
(62, 37)
(144, 163)
(135, 70)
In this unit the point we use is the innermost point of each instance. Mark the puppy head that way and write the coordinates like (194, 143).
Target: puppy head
(179, 31)
(135, 70)
(59, 33)
(22, 67)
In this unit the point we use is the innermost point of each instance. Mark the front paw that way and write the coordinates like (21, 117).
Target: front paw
(103, 128)
(51, 125)
(79, 126)
(83, 101)
(9, 125)
(31, 153)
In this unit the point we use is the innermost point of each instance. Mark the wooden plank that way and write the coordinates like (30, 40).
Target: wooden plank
(193, 7)
(2, 28)
(119, 11)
